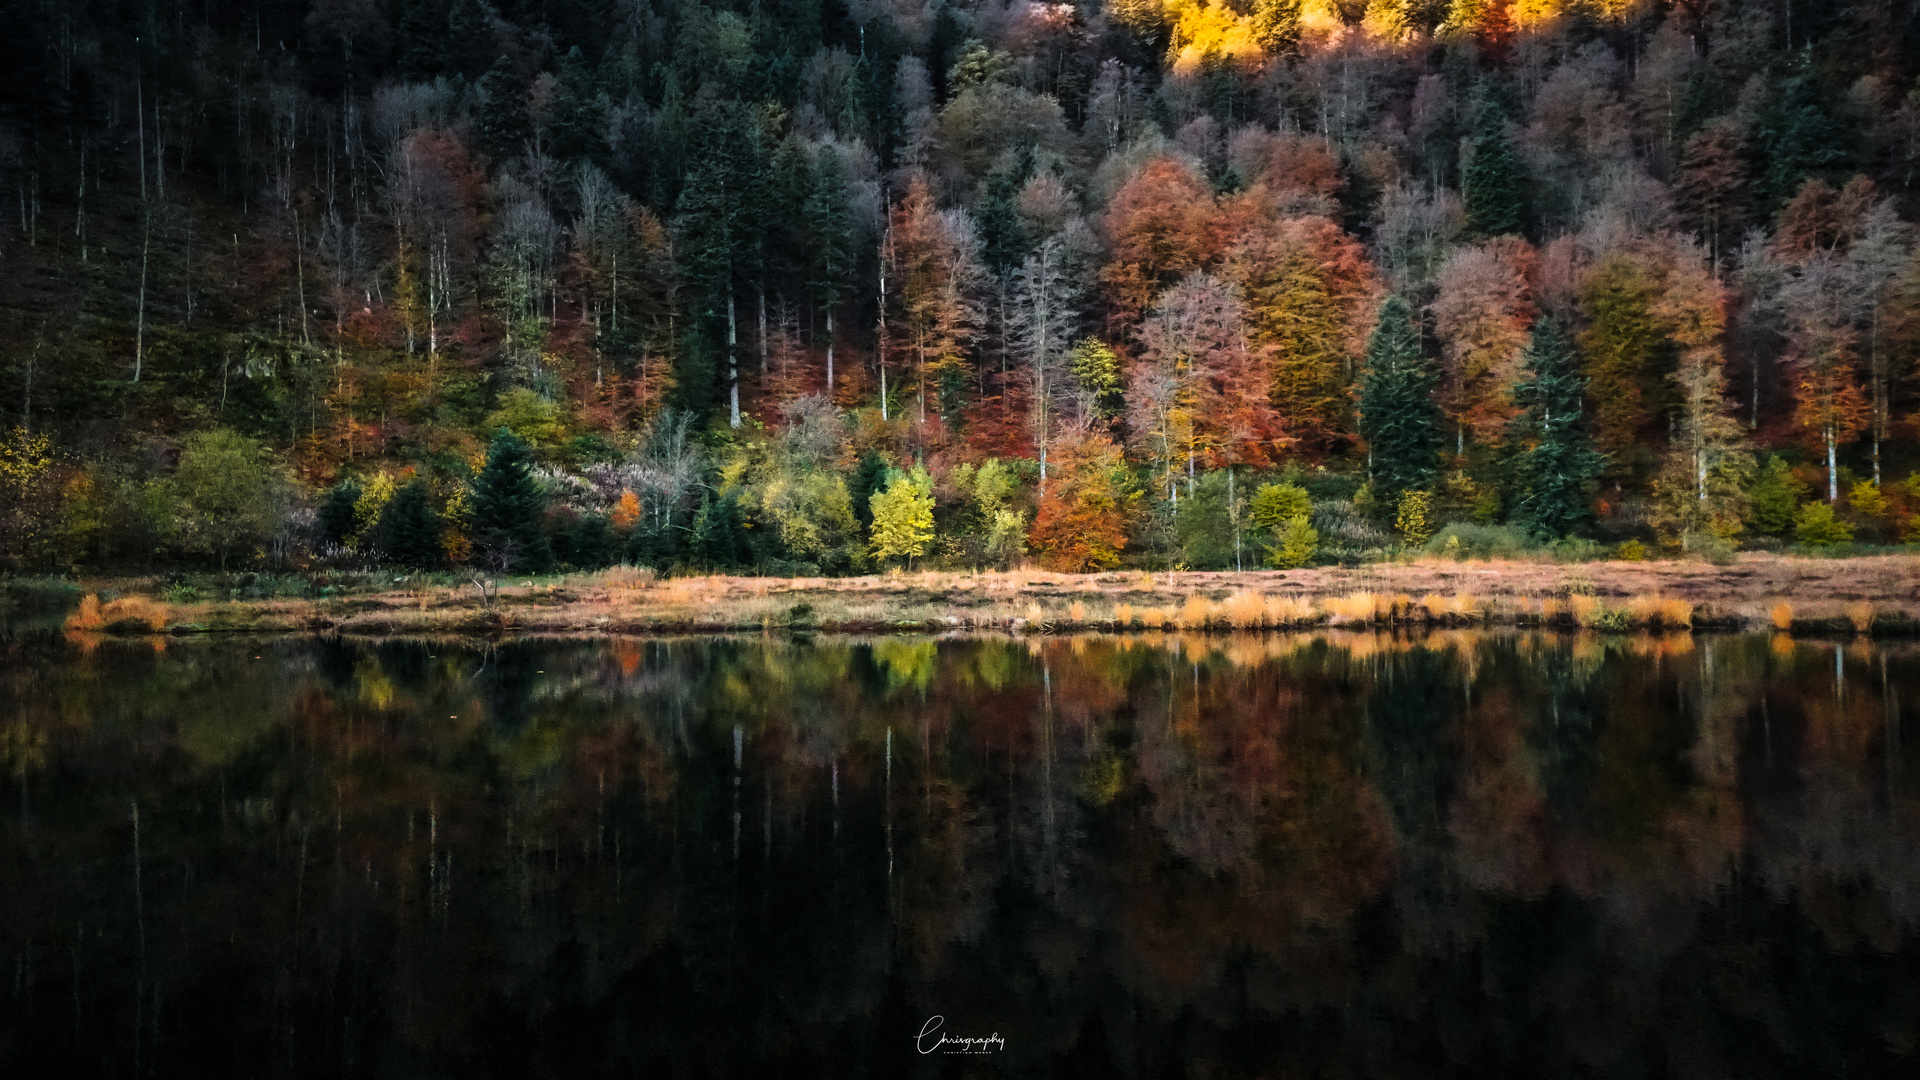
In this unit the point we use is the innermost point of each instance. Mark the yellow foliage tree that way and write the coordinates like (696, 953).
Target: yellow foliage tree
(902, 516)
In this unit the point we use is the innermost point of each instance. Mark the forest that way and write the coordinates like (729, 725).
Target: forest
(818, 287)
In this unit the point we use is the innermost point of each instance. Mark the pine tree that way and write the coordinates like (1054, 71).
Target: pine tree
(410, 529)
(504, 127)
(1554, 464)
(507, 507)
(828, 229)
(1495, 184)
(1398, 416)
(334, 520)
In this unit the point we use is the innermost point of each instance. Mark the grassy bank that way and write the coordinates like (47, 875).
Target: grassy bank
(1866, 595)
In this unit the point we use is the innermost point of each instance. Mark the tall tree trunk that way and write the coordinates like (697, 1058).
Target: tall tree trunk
(1833, 478)
(733, 362)
(829, 352)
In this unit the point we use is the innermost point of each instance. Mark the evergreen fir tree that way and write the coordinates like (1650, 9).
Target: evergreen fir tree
(334, 520)
(503, 112)
(1495, 184)
(1398, 416)
(410, 529)
(507, 507)
(1554, 464)
(868, 477)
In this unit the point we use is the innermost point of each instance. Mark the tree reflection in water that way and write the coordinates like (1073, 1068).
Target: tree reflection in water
(1325, 854)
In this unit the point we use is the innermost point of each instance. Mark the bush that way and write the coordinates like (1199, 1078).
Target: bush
(1467, 541)
(1815, 526)
(1413, 516)
(1298, 540)
(1631, 551)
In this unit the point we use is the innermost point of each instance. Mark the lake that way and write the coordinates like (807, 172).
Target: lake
(1343, 855)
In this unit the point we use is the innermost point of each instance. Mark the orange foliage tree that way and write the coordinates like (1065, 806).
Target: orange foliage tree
(1086, 506)
(1159, 228)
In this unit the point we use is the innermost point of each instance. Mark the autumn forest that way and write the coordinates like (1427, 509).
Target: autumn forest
(829, 286)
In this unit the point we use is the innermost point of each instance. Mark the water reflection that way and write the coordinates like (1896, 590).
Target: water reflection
(1322, 854)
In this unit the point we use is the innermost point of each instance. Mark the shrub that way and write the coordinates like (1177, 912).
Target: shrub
(1816, 526)
(1298, 542)
(1463, 540)
(1413, 516)
(1866, 499)
(1632, 551)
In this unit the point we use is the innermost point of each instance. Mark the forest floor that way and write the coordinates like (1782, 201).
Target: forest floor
(1879, 594)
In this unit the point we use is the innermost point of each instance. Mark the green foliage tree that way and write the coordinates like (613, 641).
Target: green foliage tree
(1294, 544)
(1553, 463)
(1774, 499)
(229, 490)
(529, 416)
(903, 516)
(1815, 526)
(992, 531)
(1398, 416)
(1273, 505)
(410, 529)
(507, 506)
(1203, 523)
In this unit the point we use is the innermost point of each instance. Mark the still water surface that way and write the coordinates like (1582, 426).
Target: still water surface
(1472, 855)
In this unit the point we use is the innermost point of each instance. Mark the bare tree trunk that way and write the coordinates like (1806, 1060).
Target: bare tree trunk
(733, 362)
(829, 352)
(1833, 478)
(140, 324)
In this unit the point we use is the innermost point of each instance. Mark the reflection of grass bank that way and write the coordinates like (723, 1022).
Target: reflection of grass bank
(1879, 595)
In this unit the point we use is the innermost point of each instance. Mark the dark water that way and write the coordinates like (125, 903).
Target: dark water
(1319, 855)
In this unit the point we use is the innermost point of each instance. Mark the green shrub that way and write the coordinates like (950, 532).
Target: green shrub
(1815, 526)
(1298, 542)
(1631, 551)
(1464, 540)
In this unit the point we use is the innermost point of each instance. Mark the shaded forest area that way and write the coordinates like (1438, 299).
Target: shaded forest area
(824, 286)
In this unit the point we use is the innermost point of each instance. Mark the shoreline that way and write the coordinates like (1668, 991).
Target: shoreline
(1877, 595)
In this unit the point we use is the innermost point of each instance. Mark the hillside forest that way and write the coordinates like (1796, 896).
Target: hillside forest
(829, 286)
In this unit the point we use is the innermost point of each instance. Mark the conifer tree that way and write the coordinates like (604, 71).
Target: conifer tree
(410, 529)
(507, 506)
(334, 519)
(1495, 182)
(829, 238)
(503, 112)
(1398, 416)
(1554, 464)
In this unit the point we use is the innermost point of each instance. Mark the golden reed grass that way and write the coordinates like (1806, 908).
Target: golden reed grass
(1861, 616)
(124, 612)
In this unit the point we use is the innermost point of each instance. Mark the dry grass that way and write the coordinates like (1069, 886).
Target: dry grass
(1196, 614)
(1353, 608)
(1077, 613)
(1661, 612)
(1453, 608)
(1245, 610)
(126, 613)
(1782, 615)
(1860, 614)
(1123, 615)
(1290, 611)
